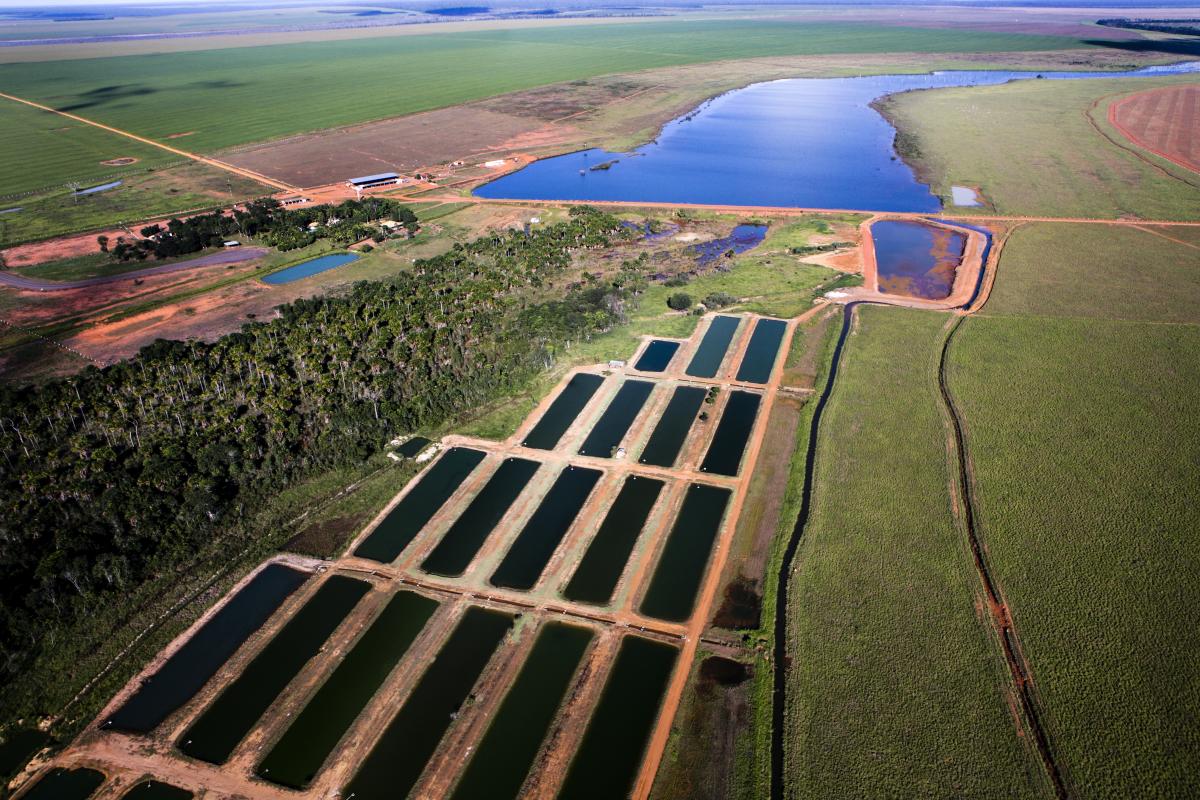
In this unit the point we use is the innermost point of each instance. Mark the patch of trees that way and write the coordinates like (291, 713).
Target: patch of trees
(115, 475)
(1184, 27)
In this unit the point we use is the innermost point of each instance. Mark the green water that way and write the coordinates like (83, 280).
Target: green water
(600, 569)
(759, 360)
(672, 592)
(612, 426)
(672, 429)
(724, 456)
(563, 411)
(297, 757)
(396, 762)
(511, 744)
(66, 784)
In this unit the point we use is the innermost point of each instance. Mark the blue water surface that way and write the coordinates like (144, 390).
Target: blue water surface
(801, 142)
(311, 267)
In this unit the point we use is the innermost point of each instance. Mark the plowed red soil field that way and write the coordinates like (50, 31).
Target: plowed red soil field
(1165, 121)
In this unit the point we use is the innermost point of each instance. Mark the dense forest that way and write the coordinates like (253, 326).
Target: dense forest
(113, 474)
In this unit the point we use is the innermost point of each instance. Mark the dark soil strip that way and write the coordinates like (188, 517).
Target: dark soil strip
(297, 757)
(676, 581)
(724, 456)
(607, 762)
(657, 356)
(527, 558)
(458, 547)
(214, 735)
(614, 423)
(508, 749)
(193, 664)
(673, 426)
(759, 360)
(66, 784)
(563, 411)
(396, 762)
(1008, 635)
(405, 521)
(600, 569)
(154, 790)
(711, 351)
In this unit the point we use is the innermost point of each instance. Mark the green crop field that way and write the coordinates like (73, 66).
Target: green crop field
(1083, 432)
(896, 686)
(1032, 150)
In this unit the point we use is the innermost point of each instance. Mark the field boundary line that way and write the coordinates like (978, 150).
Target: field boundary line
(1112, 120)
(1133, 146)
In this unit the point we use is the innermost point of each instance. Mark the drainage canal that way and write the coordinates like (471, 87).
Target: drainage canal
(672, 592)
(219, 729)
(508, 749)
(458, 547)
(600, 569)
(193, 664)
(396, 762)
(614, 423)
(673, 426)
(411, 514)
(759, 360)
(724, 455)
(156, 790)
(298, 756)
(606, 764)
(711, 351)
(657, 356)
(66, 784)
(529, 554)
(563, 411)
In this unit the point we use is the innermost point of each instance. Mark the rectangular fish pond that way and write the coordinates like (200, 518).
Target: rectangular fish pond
(711, 352)
(759, 359)
(724, 456)
(671, 595)
(657, 356)
(917, 260)
(66, 784)
(673, 426)
(309, 268)
(612, 426)
(156, 790)
(563, 411)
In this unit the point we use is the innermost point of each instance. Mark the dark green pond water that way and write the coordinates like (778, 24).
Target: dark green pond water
(155, 790)
(600, 569)
(185, 672)
(608, 759)
(711, 351)
(724, 455)
(214, 735)
(759, 358)
(413, 447)
(299, 754)
(527, 558)
(458, 547)
(656, 356)
(66, 784)
(396, 762)
(511, 744)
(18, 747)
(411, 514)
(672, 592)
(563, 411)
(614, 423)
(672, 428)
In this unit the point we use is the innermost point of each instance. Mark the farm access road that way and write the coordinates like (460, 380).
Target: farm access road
(223, 257)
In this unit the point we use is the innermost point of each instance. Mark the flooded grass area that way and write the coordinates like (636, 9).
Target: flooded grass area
(607, 762)
(529, 554)
(672, 592)
(915, 259)
(563, 411)
(458, 547)
(411, 514)
(724, 456)
(66, 784)
(614, 423)
(711, 352)
(759, 360)
(396, 762)
(740, 239)
(193, 664)
(156, 790)
(600, 569)
(214, 735)
(508, 749)
(657, 356)
(297, 757)
(672, 429)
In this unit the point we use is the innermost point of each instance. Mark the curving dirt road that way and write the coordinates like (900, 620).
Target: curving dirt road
(213, 259)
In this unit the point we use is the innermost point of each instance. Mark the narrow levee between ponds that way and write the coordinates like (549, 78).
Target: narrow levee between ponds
(214, 735)
(711, 352)
(66, 784)
(759, 360)
(671, 595)
(657, 356)
(614, 423)
(563, 411)
(724, 456)
(672, 429)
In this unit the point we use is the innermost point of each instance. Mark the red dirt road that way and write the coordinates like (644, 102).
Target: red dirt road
(1165, 121)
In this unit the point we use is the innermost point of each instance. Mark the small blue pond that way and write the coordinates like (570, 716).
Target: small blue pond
(307, 268)
(742, 239)
(104, 187)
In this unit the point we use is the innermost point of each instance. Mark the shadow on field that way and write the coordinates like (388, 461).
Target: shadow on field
(1174, 47)
(106, 94)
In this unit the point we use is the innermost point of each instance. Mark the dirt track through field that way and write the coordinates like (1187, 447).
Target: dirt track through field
(235, 256)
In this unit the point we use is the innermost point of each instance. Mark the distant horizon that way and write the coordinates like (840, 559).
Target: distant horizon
(204, 6)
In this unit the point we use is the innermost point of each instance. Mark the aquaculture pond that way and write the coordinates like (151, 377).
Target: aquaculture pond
(193, 664)
(396, 762)
(676, 582)
(298, 755)
(724, 456)
(413, 447)
(156, 790)
(762, 350)
(614, 423)
(311, 267)
(527, 558)
(18, 747)
(916, 260)
(711, 352)
(66, 784)
(607, 762)
(808, 142)
(741, 239)
(508, 749)
(657, 356)
(563, 411)
(600, 569)
(673, 426)
(214, 735)
(458, 547)
(415, 509)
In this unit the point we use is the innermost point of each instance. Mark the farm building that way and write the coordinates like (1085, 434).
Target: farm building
(372, 181)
